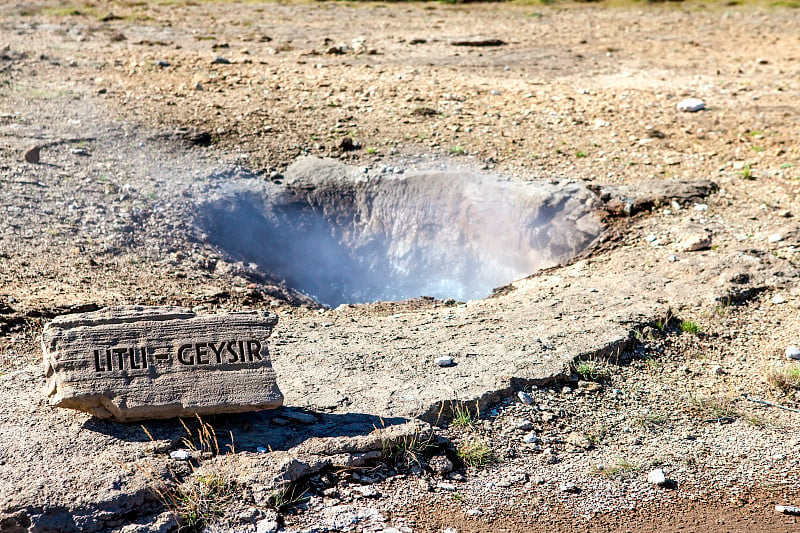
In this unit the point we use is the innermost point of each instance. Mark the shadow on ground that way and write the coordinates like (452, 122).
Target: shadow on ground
(279, 429)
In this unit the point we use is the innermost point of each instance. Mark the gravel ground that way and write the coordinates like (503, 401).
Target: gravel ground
(573, 92)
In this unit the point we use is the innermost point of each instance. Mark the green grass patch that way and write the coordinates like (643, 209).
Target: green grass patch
(687, 326)
(462, 416)
(592, 370)
(475, 453)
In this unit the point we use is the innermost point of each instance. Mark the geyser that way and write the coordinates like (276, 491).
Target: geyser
(343, 235)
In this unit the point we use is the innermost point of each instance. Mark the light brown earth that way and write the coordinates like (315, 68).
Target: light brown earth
(584, 92)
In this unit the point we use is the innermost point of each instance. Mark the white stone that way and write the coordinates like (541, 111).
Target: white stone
(793, 352)
(180, 455)
(569, 487)
(531, 438)
(778, 299)
(787, 509)
(691, 105)
(267, 526)
(701, 207)
(525, 398)
(474, 512)
(444, 361)
(775, 237)
(656, 477)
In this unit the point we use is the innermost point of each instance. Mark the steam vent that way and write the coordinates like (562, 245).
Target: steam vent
(341, 234)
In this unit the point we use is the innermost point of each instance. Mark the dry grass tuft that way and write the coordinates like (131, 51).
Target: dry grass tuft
(784, 378)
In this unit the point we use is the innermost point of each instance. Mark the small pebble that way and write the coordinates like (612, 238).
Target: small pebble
(219, 60)
(531, 438)
(525, 398)
(656, 477)
(701, 207)
(793, 352)
(523, 425)
(778, 299)
(162, 63)
(788, 509)
(444, 361)
(672, 258)
(267, 526)
(691, 105)
(180, 455)
(571, 488)
(775, 237)
(32, 155)
(474, 512)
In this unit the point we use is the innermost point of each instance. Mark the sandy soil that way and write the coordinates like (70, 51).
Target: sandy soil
(571, 92)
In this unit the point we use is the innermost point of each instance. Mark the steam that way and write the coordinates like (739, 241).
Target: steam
(342, 236)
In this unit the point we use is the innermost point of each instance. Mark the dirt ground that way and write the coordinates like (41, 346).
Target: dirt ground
(135, 105)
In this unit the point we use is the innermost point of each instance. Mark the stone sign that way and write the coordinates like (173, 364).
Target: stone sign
(133, 363)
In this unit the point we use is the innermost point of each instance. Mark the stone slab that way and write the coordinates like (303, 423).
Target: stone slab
(133, 363)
